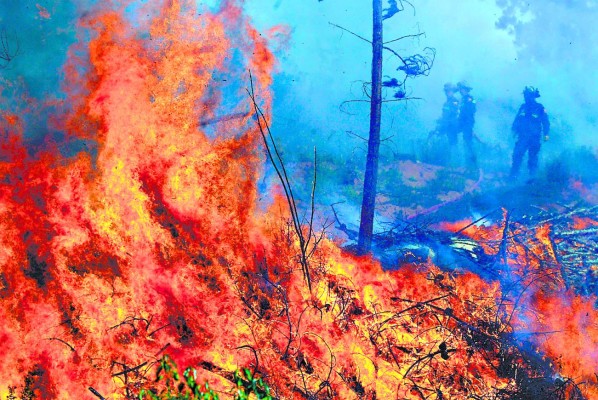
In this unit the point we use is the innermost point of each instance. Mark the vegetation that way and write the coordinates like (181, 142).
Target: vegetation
(185, 387)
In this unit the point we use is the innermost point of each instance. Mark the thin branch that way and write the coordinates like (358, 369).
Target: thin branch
(313, 195)
(503, 249)
(395, 53)
(96, 393)
(224, 118)
(63, 342)
(476, 221)
(352, 33)
(405, 37)
(127, 371)
(284, 179)
(356, 135)
(430, 356)
(280, 171)
(257, 361)
(7, 51)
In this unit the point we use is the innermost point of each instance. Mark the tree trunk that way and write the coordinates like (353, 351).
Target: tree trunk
(366, 226)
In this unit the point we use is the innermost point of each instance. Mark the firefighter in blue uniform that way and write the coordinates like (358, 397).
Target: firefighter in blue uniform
(448, 124)
(467, 110)
(530, 125)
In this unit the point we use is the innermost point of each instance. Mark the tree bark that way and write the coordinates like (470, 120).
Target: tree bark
(366, 227)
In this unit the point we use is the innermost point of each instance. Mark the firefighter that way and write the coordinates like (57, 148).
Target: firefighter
(531, 123)
(467, 110)
(448, 124)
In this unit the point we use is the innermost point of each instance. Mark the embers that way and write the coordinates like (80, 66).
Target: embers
(182, 328)
(35, 386)
(4, 288)
(71, 319)
(94, 260)
(37, 268)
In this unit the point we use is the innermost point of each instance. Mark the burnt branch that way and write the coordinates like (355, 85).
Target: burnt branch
(9, 48)
(414, 36)
(63, 342)
(224, 118)
(351, 32)
(252, 349)
(280, 169)
(96, 393)
(126, 371)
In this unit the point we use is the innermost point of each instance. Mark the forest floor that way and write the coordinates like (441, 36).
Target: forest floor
(417, 200)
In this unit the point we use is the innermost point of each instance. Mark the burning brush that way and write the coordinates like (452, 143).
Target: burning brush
(154, 253)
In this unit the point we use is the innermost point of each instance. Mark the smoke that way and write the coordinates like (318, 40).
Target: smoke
(499, 47)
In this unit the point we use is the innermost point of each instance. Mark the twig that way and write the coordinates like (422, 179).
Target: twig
(557, 258)
(7, 52)
(257, 362)
(581, 232)
(312, 199)
(224, 118)
(504, 242)
(569, 214)
(430, 356)
(284, 180)
(476, 221)
(129, 370)
(348, 31)
(357, 136)
(158, 329)
(63, 342)
(96, 393)
(405, 37)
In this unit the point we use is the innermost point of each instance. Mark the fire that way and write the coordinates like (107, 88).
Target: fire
(583, 223)
(158, 245)
(559, 322)
(568, 335)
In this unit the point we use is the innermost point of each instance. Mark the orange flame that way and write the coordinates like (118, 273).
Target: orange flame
(157, 245)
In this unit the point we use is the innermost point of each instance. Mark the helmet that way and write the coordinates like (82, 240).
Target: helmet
(464, 85)
(449, 87)
(531, 92)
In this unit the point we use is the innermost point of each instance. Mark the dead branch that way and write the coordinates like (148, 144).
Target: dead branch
(252, 349)
(504, 244)
(9, 48)
(63, 342)
(352, 33)
(426, 357)
(312, 200)
(279, 167)
(162, 349)
(476, 221)
(571, 213)
(576, 233)
(416, 305)
(129, 370)
(412, 66)
(96, 393)
(557, 257)
(417, 35)
(158, 329)
(130, 321)
(224, 118)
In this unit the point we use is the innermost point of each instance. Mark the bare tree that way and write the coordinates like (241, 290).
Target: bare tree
(368, 205)
(411, 66)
